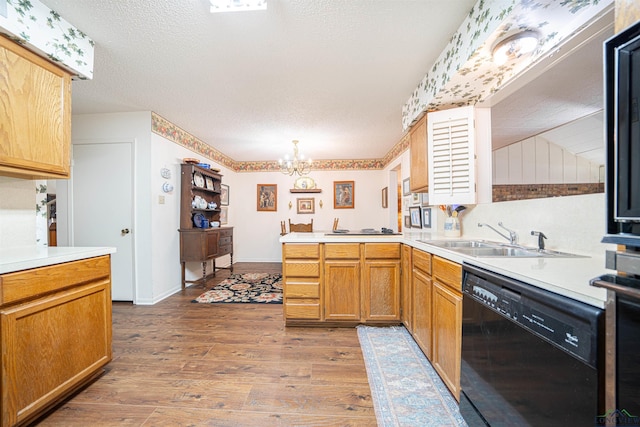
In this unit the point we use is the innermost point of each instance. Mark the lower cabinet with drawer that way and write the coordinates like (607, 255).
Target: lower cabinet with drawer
(302, 276)
(341, 283)
(204, 245)
(447, 322)
(55, 334)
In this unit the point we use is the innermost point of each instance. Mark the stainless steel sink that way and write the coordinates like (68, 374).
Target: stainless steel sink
(451, 244)
(486, 249)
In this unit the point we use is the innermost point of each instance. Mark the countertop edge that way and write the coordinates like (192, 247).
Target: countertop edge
(29, 257)
(565, 276)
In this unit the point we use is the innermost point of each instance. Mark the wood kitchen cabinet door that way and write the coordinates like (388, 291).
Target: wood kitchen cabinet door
(422, 301)
(406, 288)
(35, 120)
(447, 335)
(342, 290)
(419, 171)
(381, 290)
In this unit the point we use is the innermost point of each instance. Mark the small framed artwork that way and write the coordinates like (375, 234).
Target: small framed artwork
(306, 206)
(407, 221)
(415, 198)
(385, 197)
(416, 217)
(209, 181)
(224, 212)
(224, 195)
(267, 197)
(343, 194)
(426, 217)
(406, 189)
(424, 199)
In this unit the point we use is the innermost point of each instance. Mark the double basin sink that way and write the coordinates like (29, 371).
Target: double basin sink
(487, 249)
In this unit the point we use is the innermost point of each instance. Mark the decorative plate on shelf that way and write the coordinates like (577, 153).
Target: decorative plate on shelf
(198, 179)
(304, 183)
(197, 219)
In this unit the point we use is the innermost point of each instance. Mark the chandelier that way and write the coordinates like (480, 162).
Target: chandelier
(296, 165)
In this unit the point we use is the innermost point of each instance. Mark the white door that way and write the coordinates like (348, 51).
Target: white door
(102, 188)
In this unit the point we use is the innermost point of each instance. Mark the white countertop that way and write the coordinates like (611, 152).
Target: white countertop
(565, 276)
(27, 257)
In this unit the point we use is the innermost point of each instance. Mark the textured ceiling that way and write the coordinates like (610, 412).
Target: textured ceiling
(332, 73)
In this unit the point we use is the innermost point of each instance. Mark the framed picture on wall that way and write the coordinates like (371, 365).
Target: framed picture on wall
(344, 194)
(306, 205)
(224, 212)
(415, 198)
(407, 221)
(426, 217)
(224, 195)
(416, 218)
(267, 197)
(406, 188)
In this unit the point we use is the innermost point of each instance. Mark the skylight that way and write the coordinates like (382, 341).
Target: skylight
(237, 5)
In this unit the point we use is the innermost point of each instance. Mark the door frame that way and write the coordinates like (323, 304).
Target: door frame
(69, 205)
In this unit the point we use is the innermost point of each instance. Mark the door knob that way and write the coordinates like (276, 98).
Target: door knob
(124, 231)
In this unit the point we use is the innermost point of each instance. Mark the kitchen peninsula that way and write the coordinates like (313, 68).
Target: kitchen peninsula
(55, 318)
(345, 280)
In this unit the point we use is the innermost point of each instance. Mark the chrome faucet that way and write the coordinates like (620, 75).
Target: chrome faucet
(512, 237)
(541, 238)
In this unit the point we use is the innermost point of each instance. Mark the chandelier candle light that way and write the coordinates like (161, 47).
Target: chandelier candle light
(295, 166)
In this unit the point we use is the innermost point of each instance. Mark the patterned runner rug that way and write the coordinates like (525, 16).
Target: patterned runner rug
(246, 288)
(406, 390)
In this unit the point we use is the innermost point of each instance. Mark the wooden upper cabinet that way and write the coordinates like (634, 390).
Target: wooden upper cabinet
(419, 182)
(35, 121)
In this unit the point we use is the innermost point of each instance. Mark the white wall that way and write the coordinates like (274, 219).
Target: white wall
(17, 212)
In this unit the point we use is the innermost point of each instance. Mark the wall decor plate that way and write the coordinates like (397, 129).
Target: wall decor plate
(165, 173)
(304, 182)
(198, 179)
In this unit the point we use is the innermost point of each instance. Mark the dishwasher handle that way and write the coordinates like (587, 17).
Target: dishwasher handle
(621, 289)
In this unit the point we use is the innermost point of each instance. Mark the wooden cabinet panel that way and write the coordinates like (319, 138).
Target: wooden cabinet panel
(447, 335)
(422, 302)
(406, 289)
(342, 250)
(342, 290)
(55, 340)
(301, 250)
(422, 261)
(35, 118)
(419, 182)
(302, 268)
(382, 250)
(447, 272)
(381, 289)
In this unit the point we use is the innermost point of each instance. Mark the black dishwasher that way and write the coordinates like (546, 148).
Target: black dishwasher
(529, 356)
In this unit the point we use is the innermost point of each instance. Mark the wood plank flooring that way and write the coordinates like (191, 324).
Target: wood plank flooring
(178, 363)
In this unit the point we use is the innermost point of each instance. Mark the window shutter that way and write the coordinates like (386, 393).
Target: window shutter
(451, 156)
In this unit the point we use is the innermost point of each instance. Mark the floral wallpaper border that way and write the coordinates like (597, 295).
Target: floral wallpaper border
(465, 74)
(34, 25)
(168, 130)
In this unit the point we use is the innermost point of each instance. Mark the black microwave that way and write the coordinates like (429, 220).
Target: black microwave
(622, 131)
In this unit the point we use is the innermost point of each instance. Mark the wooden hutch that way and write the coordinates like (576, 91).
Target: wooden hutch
(199, 241)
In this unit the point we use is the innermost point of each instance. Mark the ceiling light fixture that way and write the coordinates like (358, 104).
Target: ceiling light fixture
(237, 5)
(297, 165)
(515, 46)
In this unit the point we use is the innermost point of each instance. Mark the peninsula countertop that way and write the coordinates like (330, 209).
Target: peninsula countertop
(565, 276)
(27, 257)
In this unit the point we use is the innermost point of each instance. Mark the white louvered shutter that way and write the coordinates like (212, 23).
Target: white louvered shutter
(451, 155)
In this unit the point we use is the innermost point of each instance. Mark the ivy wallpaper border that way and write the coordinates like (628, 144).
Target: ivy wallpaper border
(465, 74)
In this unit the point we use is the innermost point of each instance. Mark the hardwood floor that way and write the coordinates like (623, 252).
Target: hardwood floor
(178, 363)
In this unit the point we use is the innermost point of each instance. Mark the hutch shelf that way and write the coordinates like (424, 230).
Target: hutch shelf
(202, 238)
